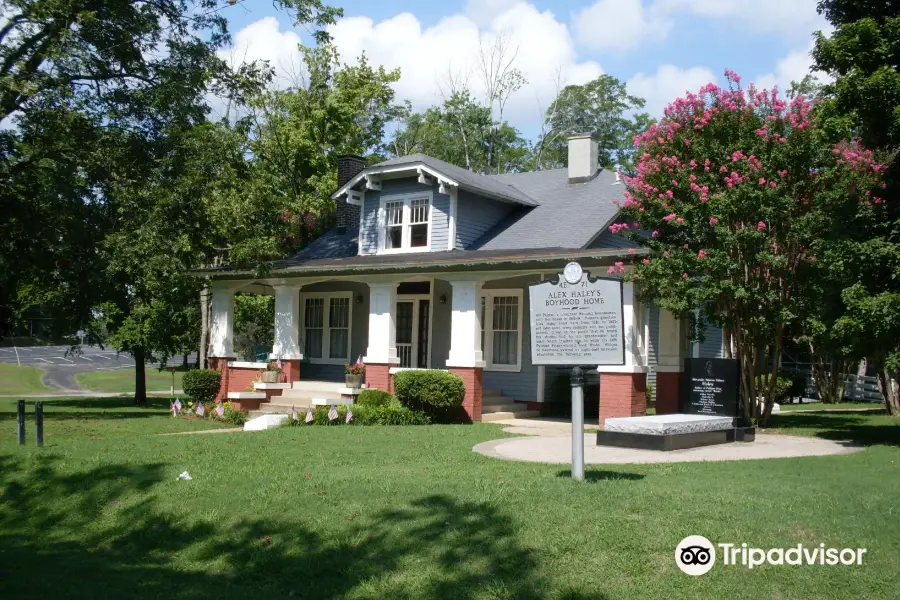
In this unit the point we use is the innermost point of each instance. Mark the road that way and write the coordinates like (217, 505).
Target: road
(60, 366)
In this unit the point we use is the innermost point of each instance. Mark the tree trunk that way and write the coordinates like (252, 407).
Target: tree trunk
(204, 328)
(140, 381)
(184, 360)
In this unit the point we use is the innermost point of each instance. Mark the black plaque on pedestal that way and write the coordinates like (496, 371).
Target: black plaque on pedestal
(711, 387)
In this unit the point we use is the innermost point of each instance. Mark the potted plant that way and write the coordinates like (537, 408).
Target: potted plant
(272, 373)
(354, 374)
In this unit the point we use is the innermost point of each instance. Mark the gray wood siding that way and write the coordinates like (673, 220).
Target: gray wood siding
(440, 220)
(608, 239)
(711, 346)
(520, 385)
(475, 215)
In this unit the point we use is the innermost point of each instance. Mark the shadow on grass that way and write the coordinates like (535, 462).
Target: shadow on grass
(590, 475)
(112, 402)
(862, 427)
(87, 533)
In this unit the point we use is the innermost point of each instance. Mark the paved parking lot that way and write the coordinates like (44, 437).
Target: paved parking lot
(61, 366)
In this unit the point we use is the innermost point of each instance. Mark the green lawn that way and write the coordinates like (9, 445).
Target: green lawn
(122, 380)
(21, 380)
(412, 512)
(841, 406)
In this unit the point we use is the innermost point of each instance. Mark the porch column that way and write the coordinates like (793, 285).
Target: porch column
(381, 354)
(674, 347)
(221, 334)
(623, 389)
(466, 358)
(287, 327)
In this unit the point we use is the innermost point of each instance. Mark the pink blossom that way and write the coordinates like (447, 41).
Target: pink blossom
(684, 275)
(761, 226)
(762, 181)
(679, 220)
(655, 233)
(713, 221)
(669, 217)
(646, 261)
(685, 246)
(675, 182)
(773, 185)
(783, 173)
(701, 255)
(666, 254)
(631, 251)
(706, 165)
(611, 270)
(693, 165)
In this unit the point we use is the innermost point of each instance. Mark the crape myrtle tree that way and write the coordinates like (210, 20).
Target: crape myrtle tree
(737, 197)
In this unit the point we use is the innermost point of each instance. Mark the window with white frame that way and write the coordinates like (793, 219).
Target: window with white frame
(406, 223)
(326, 327)
(501, 329)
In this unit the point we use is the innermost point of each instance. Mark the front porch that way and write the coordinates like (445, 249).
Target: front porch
(472, 323)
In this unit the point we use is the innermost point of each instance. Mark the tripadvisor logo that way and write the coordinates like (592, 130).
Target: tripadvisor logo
(696, 555)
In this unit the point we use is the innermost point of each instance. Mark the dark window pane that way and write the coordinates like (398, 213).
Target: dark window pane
(418, 235)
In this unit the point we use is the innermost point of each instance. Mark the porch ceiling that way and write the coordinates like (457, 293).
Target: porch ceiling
(449, 261)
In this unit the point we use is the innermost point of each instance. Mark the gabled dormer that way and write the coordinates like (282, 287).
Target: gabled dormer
(418, 203)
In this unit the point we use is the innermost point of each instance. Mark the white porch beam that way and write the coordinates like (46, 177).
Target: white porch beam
(287, 323)
(634, 339)
(221, 327)
(382, 348)
(465, 325)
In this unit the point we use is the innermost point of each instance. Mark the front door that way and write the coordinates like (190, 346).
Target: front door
(412, 332)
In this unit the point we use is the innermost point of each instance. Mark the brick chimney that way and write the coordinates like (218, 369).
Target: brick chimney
(582, 158)
(349, 166)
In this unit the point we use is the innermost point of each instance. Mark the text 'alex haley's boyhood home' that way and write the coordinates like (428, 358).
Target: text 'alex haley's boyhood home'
(429, 267)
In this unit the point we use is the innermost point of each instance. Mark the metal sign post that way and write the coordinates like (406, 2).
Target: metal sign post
(20, 418)
(39, 423)
(577, 424)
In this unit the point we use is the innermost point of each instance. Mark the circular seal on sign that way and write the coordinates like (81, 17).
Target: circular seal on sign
(572, 273)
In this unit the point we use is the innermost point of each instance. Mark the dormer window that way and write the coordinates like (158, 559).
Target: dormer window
(406, 223)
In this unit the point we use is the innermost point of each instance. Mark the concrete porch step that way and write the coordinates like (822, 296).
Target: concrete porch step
(318, 387)
(514, 407)
(496, 400)
(293, 395)
(503, 415)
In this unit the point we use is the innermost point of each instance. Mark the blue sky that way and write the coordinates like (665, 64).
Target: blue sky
(659, 47)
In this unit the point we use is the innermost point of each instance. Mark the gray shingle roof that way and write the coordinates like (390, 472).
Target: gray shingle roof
(570, 215)
(475, 182)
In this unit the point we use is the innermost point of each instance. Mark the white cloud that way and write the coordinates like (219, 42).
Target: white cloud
(793, 67)
(618, 25)
(263, 40)
(790, 17)
(668, 83)
(426, 56)
(482, 12)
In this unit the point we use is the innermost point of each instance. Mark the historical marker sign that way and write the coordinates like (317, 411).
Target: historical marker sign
(711, 387)
(577, 320)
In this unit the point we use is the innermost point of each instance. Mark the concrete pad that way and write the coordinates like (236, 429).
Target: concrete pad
(270, 421)
(668, 424)
(558, 450)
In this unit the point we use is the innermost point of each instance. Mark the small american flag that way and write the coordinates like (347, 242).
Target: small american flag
(349, 415)
(332, 413)
(201, 410)
(309, 416)
(172, 408)
(220, 409)
(293, 413)
(178, 404)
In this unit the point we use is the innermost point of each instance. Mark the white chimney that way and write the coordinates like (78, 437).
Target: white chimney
(582, 158)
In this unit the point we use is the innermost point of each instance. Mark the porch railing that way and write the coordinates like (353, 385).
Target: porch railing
(404, 351)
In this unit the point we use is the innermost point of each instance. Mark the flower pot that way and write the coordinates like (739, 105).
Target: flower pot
(353, 381)
(270, 376)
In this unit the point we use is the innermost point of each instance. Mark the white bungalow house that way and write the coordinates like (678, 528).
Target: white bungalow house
(428, 267)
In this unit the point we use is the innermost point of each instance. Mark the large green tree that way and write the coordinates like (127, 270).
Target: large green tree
(101, 179)
(862, 55)
(602, 107)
